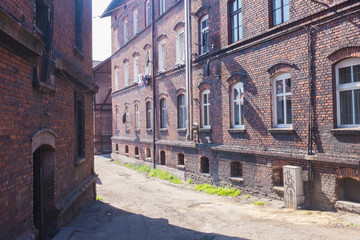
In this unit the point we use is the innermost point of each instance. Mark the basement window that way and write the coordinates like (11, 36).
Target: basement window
(236, 169)
(181, 159)
(162, 158)
(136, 152)
(126, 149)
(204, 165)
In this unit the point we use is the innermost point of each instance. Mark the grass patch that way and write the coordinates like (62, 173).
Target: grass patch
(219, 191)
(308, 213)
(190, 181)
(98, 198)
(259, 203)
(247, 196)
(139, 168)
(351, 225)
(164, 175)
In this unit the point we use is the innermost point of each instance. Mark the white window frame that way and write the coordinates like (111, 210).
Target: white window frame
(350, 62)
(116, 40)
(148, 115)
(180, 47)
(136, 69)
(181, 109)
(162, 56)
(281, 77)
(137, 117)
(126, 74)
(163, 113)
(125, 31)
(117, 118)
(127, 118)
(147, 13)
(204, 50)
(148, 61)
(162, 7)
(135, 22)
(205, 109)
(116, 79)
(239, 87)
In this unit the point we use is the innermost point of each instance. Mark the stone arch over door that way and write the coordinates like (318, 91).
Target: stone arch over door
(44, 210)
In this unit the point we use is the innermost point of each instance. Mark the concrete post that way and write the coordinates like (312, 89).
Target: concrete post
(293, 187)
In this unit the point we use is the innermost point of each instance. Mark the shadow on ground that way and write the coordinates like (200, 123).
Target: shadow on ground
(103, 221)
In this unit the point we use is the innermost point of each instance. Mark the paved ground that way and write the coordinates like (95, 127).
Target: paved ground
(138, 207)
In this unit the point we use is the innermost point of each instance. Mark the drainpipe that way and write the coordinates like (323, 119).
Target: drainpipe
(153, 82)
(188, 70)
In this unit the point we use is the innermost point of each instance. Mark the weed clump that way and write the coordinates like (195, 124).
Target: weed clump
(218, 191)
(98, 198)
(247, 196)
(190, 181)
(139, 168)
(259, 203)
(164, 175)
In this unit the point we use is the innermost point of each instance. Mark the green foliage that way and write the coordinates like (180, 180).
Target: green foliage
(164, 175)
(259, 203)
(351, 225)
(139, 168)
(219, 191)
(98, 198)
(247, 196)
(308, 213)
(190, 181)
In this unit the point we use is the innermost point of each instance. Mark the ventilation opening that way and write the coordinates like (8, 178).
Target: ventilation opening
(181, 159)
(278, 177)
(204, 165)
(116, 148)
(162, 158)
(126, 149)
(236, 169)
(148, 153)
(136, 151)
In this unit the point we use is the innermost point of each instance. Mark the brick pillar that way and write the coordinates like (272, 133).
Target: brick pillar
(293, 187)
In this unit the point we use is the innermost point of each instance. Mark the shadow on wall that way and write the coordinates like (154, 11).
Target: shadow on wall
(103, 221)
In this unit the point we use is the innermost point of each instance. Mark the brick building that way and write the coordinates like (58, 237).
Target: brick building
(274, 83)
(102, 107)
(46, 130)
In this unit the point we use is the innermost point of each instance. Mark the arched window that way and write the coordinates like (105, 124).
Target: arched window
(181, 159)
(181, 109)
(348, 92)
(204, 165)
(282, 101)
(127, 118)
(237, 106)
(147, 13)
(135, 21)
(125, 30)
(137, 117)
(116, 39)
(136, 151)
(117, 118)
(204, 34)
(180, 48)
(148, 115)
(148, 153)
(163, 113)
(236, 169)
(136, 69)
(126, 74)
(126, 149)
(205, 109)
(162, 56)
(162, 158)
(162, 6)
(148, 62)
(116, 79)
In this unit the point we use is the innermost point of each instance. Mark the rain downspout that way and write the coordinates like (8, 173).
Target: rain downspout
(188, 71)
(153, 82)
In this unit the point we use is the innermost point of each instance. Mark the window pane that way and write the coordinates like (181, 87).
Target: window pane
(280, 110)
(240, 32)
(235, 35)
(288, 110)
(236, 94)
(286, 13)
(236, 113)
(234, 6)
(277, 17)
(242, 113)
(286, 2)
(234, 21)
(357, 106)
(345, 75)
(279, 86)
(356, 71)
(205, 99)
(276, 4)
(288, 85)
(346, 107)
(206, 121)
(239, 4)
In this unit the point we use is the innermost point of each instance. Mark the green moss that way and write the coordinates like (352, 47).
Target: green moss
(219, 191)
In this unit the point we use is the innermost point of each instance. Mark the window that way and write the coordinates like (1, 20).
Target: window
(181, 108)
(79, 124)
(135, 21)
(162, 57)
(236, 169)
(117, 118)
(125, 31)
(147, 13)
(204, 35)
(351, 190)
(126, 149)
(162, 6)
(126, 74)
(279, 177)
(163, 113)
(116, 77)
(180, 50)
(148, 115)
(205, 109)
(282, 100)
(148, 153)
(136, 69)
(162, 158)
(116, 40)
(136, 151)
(78, 23)
(280, 11)
(204, 165)
(148, 62)
(181, 159)
(137, 117)
(348, 92)
(117, 148)
(237, 106)
(127, 118)
(236, 20)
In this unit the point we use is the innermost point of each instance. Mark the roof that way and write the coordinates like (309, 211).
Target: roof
(113, 4)
(98, 65)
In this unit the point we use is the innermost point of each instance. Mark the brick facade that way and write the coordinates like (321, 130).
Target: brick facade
(46, 177)
(307, 47)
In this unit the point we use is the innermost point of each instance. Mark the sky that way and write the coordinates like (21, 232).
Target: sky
(101, 31)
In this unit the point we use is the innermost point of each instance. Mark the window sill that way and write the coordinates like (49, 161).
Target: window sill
(203, 54)
(237, 130)
(44, 87)
(279, 189)
(163, 129)
(180, 167)
(148, 159)
(205, 130)
(180, 63)
(127, 129)
(181, 130)
(161, 70)
(205, 174)
(281, 131)
(79, 161)
(127, 154)
(237, 179)
(345, 131)
(149, 129)
(137, 129)
(136, 156)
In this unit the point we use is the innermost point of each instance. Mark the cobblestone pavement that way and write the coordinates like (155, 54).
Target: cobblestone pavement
(136, 207)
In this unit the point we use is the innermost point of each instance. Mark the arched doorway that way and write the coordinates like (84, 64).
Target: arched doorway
(162, 158)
